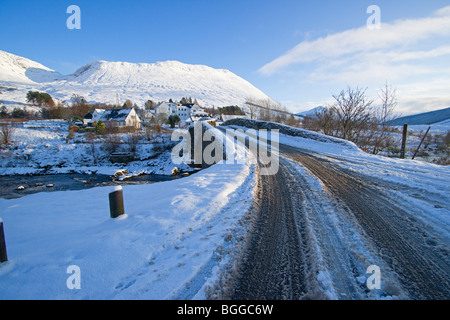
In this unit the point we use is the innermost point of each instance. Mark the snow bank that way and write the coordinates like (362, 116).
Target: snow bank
(288, 131)
(171, 244)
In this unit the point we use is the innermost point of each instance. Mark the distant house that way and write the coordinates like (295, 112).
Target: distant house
(97, 114)
(183, 112)
(167, 108)
(120, 118)
(196, 112)
(87, 119)
(147, 115)
(195, 107)
(186, 112)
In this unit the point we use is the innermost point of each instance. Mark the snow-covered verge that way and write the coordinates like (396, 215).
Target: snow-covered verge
(434, 148)
(171, 244)
(414, 173)
(287, 130)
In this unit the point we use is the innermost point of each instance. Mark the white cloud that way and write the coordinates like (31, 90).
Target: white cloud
(443, 11)
(412, 55)
(396, 35)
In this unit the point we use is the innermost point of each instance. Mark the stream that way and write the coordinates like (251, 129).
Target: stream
(63, 182)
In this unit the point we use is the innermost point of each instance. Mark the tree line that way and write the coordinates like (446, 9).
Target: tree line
(57, 110)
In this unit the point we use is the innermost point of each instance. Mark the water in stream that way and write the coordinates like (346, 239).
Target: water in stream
(60, 182)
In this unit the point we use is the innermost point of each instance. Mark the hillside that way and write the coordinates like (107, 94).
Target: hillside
(424, 118)
(103, 81)
(17, 69)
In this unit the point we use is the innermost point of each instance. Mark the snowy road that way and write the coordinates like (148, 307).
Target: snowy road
(319, 226)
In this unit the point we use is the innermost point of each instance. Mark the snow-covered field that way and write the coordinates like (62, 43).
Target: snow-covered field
(40, 147)
(437, 128)
(171, 244)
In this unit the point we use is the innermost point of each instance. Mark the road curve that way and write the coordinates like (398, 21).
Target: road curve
(291, 232)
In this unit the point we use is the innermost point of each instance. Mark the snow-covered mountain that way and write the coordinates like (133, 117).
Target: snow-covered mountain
(103, 81)
(22, 70)
(309, 113)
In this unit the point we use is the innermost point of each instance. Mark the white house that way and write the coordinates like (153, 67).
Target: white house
(97, 114)
(167, 108)
(120, 118)
(147, 115)
(87, 119)
(185, 112)
(197, 112)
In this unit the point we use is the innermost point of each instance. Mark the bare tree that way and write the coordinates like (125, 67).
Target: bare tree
(92, 141)
(132, 140)
(292, 121)
(353, 111)
(112, 142)
(384, 115)
(326, 120)
(252, 108)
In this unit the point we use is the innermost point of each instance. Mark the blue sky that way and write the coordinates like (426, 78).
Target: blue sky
(297, 52)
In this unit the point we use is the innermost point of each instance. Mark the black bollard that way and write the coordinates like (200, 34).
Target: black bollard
(3, 255)
(116, 207)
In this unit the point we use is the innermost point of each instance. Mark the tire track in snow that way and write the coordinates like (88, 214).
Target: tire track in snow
(273, 266)
(423, 272)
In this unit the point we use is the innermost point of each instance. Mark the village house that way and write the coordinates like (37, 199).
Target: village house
(97, 114)
(186, 112)
(114, 118)
(166, 108)
(197, 112)
(146, 116)
(87, 120)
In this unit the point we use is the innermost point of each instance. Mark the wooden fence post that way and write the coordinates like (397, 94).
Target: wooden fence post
(405, 134)
(420, 144)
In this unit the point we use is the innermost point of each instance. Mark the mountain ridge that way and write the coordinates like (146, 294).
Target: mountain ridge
(424, 118)
(105, 81)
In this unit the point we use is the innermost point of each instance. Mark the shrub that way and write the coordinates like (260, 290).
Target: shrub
(6, 131)
(100, 127)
